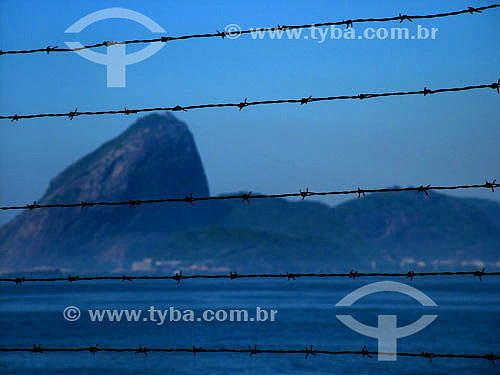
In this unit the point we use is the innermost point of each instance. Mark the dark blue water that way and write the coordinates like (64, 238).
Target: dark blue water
(468, 322)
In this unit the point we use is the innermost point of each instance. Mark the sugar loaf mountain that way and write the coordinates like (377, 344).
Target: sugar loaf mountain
(157, 157)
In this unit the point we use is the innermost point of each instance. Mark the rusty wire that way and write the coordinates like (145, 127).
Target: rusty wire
(127, 111)
(252, 350)
(223, 34)
(247, 197)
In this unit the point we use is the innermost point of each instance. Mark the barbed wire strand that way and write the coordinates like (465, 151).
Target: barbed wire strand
(246, 197)
(232, 34)
(234, 275)
(307, 352)
(426, 91)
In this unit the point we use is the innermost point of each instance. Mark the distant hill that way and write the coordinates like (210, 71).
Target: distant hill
(269, 235)
(438, 226)
(157, 157)
(384, 231)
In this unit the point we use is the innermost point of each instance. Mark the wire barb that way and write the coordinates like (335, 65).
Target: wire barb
(243, 104)
(37, 349)
(85, 204)
(480, 274)
(410, 275)
(361, 192)
(189, 199)
(305, 100)
(309, 351)
(473, 10)
(233, 275)
(49, 48)
(32, 206)
(491, 185)
(142, 350)
(246, 197)
(496, 86)
(195, 350)
(403, 17)
(353, 274)
(252, 351)
(491, 357)
(133, 204)
(19, 280)
(428, 356)
(93, 349)
(222, 33)
(179, 108)
(126, 278)
(364, 352)
(178, 277)
(424, 189)
(305, 193)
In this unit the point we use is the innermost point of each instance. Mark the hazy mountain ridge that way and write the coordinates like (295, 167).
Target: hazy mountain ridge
(385, 230)
(157, 157)
(413, 224)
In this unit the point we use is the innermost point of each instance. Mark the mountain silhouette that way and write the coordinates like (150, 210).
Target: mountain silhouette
(156, 157)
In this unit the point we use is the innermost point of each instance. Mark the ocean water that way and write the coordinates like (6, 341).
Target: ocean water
(468, 322)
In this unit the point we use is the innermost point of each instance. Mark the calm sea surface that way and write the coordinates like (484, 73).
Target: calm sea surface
(468, 322)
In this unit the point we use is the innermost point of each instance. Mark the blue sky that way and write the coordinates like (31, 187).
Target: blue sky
(441, 139)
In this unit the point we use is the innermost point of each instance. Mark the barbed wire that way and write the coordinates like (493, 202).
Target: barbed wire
(126, 111)
(246, 197)
(234, 275)
(307, 352)
(227, 32)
